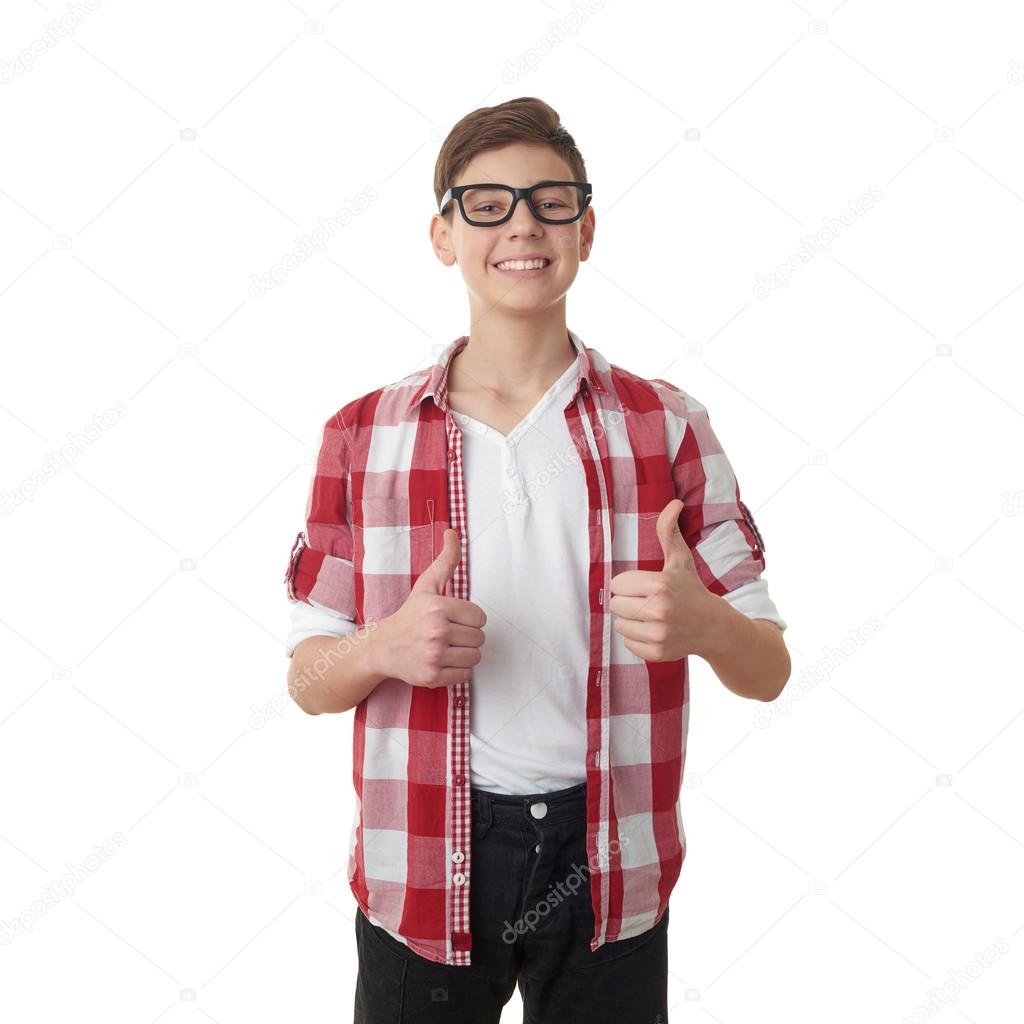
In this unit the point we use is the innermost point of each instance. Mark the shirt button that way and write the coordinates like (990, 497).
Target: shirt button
(451, 454)
(538, 810)
(458, 856)
(459, 780)
(459, 701)
(510, 470)
(458, 878)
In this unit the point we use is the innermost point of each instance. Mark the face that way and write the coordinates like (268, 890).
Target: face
(476, 250)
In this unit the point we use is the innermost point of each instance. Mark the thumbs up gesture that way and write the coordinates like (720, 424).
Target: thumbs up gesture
(433, 640)
(666, 615)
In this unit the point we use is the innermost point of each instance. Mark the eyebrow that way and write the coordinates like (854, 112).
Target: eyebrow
(539, 181)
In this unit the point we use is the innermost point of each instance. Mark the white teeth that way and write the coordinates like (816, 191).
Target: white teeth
(522, 264)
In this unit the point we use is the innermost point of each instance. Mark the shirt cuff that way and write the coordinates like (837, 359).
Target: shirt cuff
(315, 620)
(752, 600)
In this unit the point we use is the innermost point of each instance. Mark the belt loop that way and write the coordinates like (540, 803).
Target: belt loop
(483, 816)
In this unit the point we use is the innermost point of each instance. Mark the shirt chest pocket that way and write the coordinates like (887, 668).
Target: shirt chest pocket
(391, 537)
(651, 499)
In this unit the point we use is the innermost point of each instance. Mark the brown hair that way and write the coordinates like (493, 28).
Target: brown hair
(526, 119)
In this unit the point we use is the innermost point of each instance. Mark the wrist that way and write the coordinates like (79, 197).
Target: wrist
(721, 617)
(376, 647)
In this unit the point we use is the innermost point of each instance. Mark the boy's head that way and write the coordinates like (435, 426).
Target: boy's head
(518, 143)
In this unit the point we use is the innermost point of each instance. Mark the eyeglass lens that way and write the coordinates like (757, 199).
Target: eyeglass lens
(555, 202)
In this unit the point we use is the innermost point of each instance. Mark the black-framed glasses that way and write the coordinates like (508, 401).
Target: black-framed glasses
(551, 202)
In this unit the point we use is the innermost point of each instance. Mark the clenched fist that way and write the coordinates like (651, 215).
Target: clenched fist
(433, 640)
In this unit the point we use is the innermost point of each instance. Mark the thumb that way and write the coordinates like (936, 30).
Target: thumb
(434, 579)
(673, 545)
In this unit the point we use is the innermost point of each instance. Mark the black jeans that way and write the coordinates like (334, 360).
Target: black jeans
(532, 921)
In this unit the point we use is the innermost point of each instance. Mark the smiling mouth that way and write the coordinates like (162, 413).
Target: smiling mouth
(523, 266)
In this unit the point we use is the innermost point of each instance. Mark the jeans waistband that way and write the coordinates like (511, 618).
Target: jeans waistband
(514, 811)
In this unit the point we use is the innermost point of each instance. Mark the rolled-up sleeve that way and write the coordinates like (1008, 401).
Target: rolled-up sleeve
(320, 569)
(310, 619)
(727, 546)
(754, 601)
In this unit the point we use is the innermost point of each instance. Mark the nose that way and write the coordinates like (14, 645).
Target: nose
(523, 221)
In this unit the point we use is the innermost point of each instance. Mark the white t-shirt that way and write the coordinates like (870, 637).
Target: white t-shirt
(526, 506)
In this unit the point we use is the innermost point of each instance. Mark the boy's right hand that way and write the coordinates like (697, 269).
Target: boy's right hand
(433, 640)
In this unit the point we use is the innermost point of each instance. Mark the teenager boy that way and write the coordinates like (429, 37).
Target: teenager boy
(508, 558)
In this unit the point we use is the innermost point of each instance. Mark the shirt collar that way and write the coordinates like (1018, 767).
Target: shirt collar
(436, 384)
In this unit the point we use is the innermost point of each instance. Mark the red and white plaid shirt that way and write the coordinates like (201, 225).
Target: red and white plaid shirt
(388, 481)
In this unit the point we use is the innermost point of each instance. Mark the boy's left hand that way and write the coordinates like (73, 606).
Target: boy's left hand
(667, 615)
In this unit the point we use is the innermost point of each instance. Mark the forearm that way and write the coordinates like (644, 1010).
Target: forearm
(333, 674)
(747, 654)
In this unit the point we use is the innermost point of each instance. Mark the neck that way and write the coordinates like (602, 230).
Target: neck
(514, 360)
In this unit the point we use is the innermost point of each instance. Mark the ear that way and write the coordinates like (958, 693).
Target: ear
(587, 226)
(440, 240)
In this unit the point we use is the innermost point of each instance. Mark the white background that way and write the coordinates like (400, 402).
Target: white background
(853, 846)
